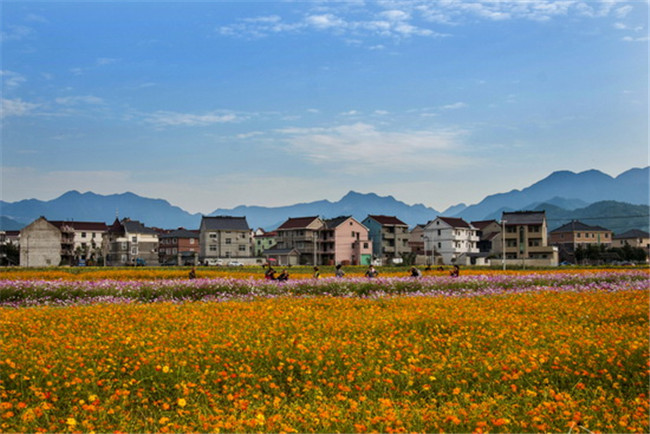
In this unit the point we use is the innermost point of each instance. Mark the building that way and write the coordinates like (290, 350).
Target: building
(179, 247)
(87, 241)
(343, 240)
(129, 242)
(301, 233)
(576, 233)
(633, 238)
(416, 242)
(43, 245)
(225, 237)
(454, 241)
(489, 236)
(390, 238)
(568, 237)
(526, 240)
(52, 243)
(264, 241)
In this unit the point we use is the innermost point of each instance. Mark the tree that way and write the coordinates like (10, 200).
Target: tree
(9, 254)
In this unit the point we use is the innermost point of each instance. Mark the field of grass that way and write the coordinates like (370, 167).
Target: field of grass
(527, 352)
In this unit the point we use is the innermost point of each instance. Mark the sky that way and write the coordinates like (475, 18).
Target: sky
(216, 104)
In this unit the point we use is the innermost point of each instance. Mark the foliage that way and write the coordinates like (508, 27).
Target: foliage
(553, 359)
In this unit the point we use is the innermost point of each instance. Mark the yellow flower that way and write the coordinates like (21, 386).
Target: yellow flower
(165, 369)
(71, 421)
(181, 402)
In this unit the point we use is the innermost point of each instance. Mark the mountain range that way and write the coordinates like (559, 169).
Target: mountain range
(592, 196)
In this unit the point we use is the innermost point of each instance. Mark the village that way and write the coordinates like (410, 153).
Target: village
(519, 239)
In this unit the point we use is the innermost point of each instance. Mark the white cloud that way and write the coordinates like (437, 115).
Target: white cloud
(79, 100)
(639, 39)
(454, 106)
(16, 33)
(395, 15)
(11, 79)
(16, 107)
(102, 61)
(169, 119)
(325, 21)
(361, 147)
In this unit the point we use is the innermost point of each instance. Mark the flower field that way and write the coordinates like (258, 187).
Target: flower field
(486, 352)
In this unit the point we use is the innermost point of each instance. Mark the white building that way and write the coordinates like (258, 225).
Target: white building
(454, 241)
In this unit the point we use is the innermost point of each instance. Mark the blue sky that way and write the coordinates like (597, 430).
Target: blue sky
(216, 104)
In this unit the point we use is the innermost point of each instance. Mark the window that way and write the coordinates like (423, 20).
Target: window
(439, 232)
(213, 235)
(440, 245)
(191, 240)
(134, 239)
(511, 229)
(174, 251)
(228, 240)
(213, 248)
(242, 248)
(94, 234)
(365, 245)
(83, 235)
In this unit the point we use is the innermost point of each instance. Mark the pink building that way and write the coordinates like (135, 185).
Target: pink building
(343, 240)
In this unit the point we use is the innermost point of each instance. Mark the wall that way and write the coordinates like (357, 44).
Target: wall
(40, 245)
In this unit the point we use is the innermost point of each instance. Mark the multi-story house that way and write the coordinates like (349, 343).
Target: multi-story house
(454, 240)
(576, 233)
(567, 238)
(343, 240)
(52, 243)
(264, 241)
(416, 240)
(129, 242)
(633, 238)
(489, 234)
(301, 234)
(390, 237)
(179, 247)
(526, 240)
(225, 237)
(87, 240)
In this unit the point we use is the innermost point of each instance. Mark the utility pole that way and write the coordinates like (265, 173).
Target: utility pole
(503, 243)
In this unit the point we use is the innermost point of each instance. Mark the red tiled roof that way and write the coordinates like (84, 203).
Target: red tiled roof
(455, 222)
(387, 220)
(298, 222)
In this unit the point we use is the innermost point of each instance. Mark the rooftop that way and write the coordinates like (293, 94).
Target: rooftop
(387, 220)
(578, 226)
(524, 218)
(224, 223)
(632, 233)
(297, 222)
(455, 222)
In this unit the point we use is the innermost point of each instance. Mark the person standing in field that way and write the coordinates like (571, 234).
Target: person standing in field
(339, 272)
(316, 273)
